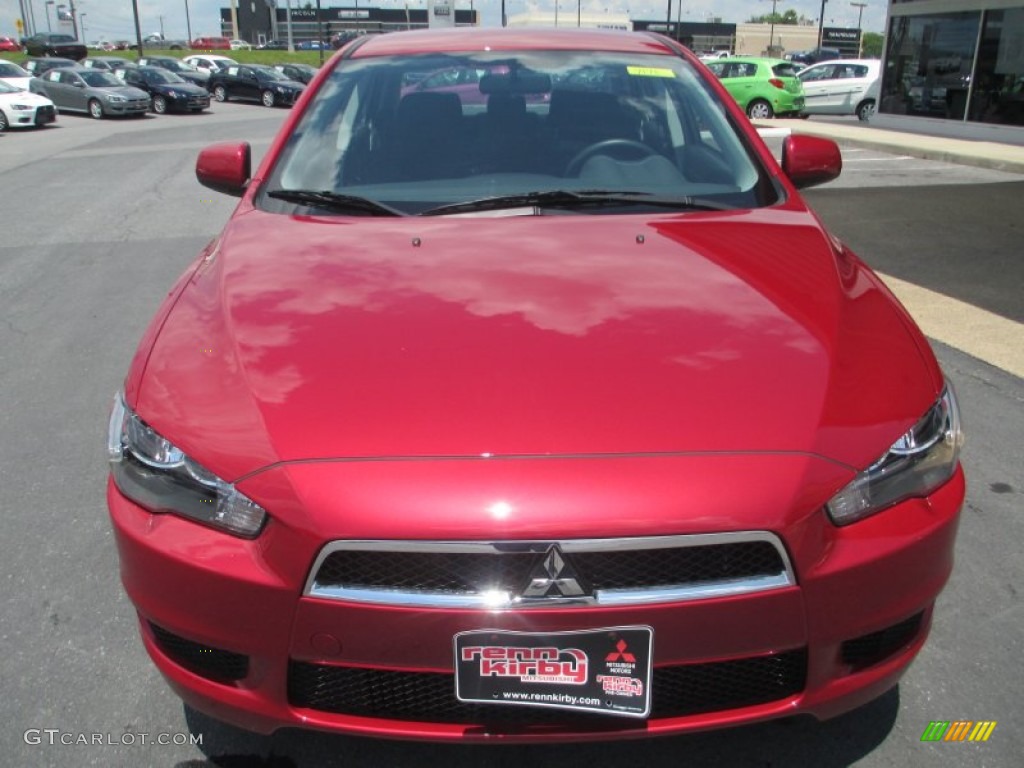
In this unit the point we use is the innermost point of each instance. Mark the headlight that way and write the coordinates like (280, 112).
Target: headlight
(152, 472)
(918, 463)
(115, 99)
(173, 94)
(21, 107)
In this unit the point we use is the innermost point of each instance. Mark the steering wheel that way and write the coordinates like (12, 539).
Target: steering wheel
(608, 147)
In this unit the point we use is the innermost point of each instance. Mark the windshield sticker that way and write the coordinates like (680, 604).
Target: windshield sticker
(650, 72)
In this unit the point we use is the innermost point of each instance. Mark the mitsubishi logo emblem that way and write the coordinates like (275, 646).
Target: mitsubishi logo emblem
(554, 578)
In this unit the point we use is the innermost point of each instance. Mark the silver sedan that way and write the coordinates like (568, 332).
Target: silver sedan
(94, 92)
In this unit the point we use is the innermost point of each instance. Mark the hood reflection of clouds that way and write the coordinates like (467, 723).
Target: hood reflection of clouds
(532, 276)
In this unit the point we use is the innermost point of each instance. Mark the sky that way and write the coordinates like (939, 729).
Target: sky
(112, 19)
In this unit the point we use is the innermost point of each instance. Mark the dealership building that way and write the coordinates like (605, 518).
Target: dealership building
(955, 67)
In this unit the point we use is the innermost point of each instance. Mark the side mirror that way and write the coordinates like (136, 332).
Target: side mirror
(809, 160)
(225, 167)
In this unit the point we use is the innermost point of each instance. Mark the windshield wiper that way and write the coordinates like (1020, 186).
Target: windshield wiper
(564, 198)
(333, 201)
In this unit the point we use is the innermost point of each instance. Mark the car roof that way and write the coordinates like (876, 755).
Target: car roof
(868, 62)
(759, 60)
(510, 38)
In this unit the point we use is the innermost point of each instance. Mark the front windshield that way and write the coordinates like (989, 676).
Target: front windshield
(422, 132)
(162, 76)
(8, 88)
(7, 69)
(100, 79)
(269, 74)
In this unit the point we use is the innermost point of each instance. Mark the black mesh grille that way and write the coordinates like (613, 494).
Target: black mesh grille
(637, 568)
(870, 649)
(427, 571)
(461, 572)
(430, 697)
(212, 663)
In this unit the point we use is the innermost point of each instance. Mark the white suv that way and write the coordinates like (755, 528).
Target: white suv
(841, 87)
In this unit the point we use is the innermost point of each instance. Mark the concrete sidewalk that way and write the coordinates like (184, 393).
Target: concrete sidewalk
(982, 154)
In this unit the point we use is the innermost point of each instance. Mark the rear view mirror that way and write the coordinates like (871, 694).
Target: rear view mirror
(225, 167)
(809, 160)
(517, 81)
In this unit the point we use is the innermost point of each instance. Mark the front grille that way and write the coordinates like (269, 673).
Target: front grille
(872, 648)
(213, 663)
(430, 697)
(605, 570)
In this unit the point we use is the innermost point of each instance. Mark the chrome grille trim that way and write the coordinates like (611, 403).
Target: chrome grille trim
(502, 600)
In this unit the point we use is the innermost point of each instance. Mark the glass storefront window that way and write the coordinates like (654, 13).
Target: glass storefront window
(928, 64)
(998, 92)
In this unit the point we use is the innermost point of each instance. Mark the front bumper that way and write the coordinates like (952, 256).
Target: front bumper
(131, 107)
(28, 118)
(226, 622)
(189, 102)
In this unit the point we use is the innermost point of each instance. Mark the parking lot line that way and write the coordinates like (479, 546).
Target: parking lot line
(985, 335)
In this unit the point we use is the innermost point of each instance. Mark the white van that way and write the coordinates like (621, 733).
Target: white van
(841, 87)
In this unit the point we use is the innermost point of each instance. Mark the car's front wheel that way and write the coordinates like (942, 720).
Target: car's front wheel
(159, 105)
(759, 109)
(220, 93)
(268, 98)
(866, 110)
(95, 109)
(3, 122)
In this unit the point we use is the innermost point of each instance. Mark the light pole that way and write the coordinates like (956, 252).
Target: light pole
(860, 34)
(81, 23)
(48, 4)
(32, 16)
(188, 23)
(771, 32)
(821, 24)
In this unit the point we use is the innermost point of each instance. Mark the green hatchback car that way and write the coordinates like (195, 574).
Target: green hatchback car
(763, 87)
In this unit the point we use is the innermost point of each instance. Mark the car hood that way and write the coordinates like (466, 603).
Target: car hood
(25, 97)
(127, 91)
(18, 82)
(187, 87)
(286, 83)
(302, 337)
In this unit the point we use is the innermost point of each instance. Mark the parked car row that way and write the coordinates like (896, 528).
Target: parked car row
(105, 86)
(767, 88)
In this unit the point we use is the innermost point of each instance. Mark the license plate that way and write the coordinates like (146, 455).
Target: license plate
(594, 670)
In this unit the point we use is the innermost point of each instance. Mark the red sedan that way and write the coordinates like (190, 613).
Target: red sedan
(552, 414)
(9, 44)
(211, 44)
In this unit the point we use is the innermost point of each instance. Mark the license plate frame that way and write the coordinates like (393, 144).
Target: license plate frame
(603, 670)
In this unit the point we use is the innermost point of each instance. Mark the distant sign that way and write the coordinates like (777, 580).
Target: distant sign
(441, 14)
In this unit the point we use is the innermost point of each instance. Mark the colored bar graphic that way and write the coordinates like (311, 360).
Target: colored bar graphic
(958, 730)
(935, 731)
(983, 730)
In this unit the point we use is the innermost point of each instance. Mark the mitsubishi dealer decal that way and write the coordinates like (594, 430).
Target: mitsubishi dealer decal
(596, 670)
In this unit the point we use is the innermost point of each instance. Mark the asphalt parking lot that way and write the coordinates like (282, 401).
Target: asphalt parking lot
(99, 219)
